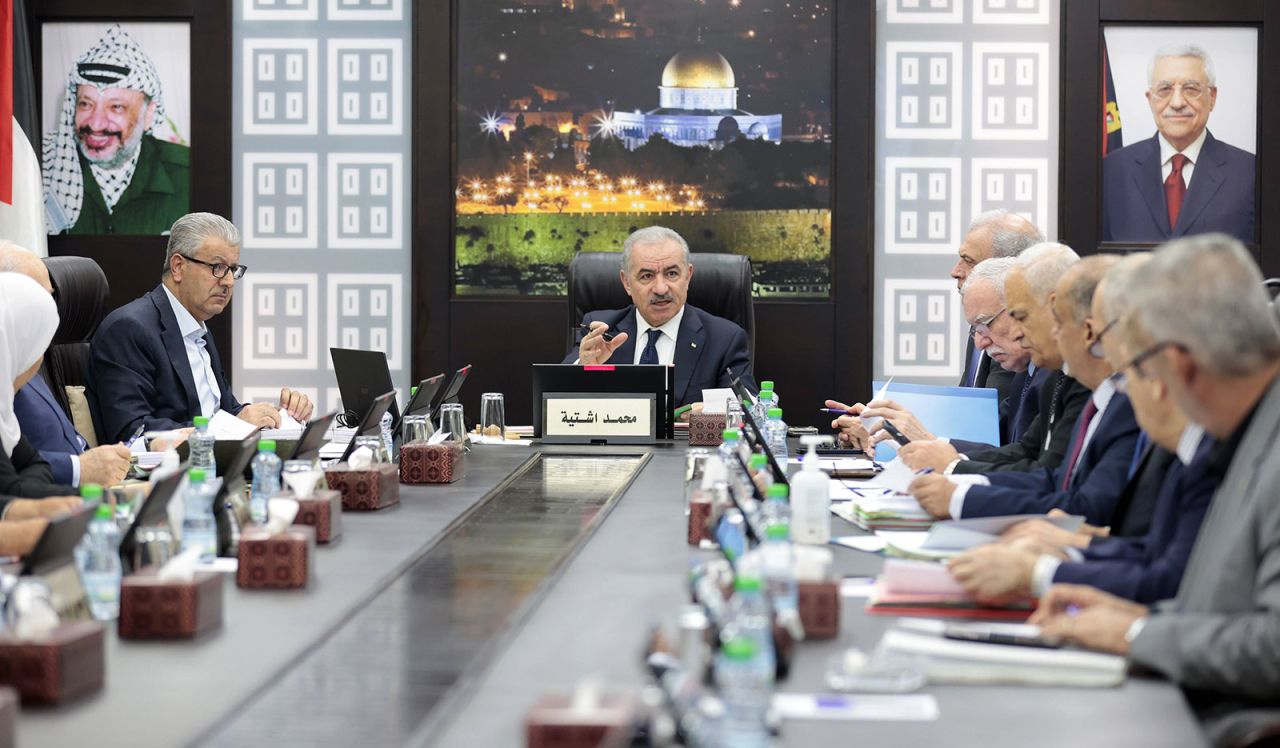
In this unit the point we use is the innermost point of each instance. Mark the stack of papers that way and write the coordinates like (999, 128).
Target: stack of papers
(952, 537)
(951, 661)
(910, 588)
(890, 512)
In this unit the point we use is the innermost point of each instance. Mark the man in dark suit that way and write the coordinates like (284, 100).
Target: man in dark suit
(44, 424)
(1210, 335)
(656, 272)
(1089, 481)
(153, 362)
(1044, 441)
(1182, 181)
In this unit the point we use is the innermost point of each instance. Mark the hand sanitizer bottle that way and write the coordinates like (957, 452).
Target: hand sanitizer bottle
(811, 498)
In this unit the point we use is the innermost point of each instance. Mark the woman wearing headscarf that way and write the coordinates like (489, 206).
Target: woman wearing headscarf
(28, 318)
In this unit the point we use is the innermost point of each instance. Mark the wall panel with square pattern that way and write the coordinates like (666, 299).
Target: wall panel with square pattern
(320, 189)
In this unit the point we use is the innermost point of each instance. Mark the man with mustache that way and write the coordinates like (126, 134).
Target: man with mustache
(659, 327)
(152, 361)
(105, 172)
(1182, 180)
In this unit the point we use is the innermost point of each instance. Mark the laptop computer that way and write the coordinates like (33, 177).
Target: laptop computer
(309, 443)
(230, 509)
(371, 422)
(362, 376)
(153, 511)
(450, 393)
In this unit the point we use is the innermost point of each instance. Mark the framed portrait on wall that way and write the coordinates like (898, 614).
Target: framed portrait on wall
(1180, 137)
(116, 126)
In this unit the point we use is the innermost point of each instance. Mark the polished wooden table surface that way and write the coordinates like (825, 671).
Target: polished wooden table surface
(274, 674)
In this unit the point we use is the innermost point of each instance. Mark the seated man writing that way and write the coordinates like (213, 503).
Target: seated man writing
(659, 327)
(153, 362)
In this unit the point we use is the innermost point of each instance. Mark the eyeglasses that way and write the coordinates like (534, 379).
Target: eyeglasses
(220, 269)
(982, 325)
(1191, 91)
(1095, 349)
(1136, 363)
(1121, 382)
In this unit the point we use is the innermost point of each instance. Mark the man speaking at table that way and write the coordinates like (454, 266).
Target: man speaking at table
(152, 361)
(655, 273)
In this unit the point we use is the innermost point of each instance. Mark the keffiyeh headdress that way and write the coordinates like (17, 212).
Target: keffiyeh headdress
(116, 61)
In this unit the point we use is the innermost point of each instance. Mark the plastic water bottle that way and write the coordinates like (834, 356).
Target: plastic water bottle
(811, 498)
(201, 442)
(266, 480)
(98, 558)
(749, 615)
(745, 689)
(777, 508)
(760, 467)
(778, 573)
(775, 435)
(729, 453)
(199, 530)
(387, 439)
(764, 401)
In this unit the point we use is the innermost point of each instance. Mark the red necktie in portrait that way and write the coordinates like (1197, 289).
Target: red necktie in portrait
(1175, 189)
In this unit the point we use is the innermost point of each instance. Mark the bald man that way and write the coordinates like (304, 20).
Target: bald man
(42, 419)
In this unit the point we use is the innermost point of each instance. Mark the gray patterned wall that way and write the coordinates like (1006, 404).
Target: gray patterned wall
(967, 121)
(320, 188)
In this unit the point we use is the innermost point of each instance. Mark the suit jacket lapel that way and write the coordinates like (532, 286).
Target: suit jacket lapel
(1150, 184)
(171, 336)
(41, 388)
(690, 343)
(1206, 178)
(627, 353)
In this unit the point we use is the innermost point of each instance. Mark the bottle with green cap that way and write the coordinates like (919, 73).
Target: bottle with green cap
(764, 401)
(98, 558)
(775, 435)
(266, 480)
(745, 690)
(729, 451)
(201, 444)
(760, 468)
(749, 614)
(777, 556)
(777, 507)
(199, 529)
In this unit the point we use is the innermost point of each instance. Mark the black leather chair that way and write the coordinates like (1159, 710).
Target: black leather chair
(80, 290)
(721, 285)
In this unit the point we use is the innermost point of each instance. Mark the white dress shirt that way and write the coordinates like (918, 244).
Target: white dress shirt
(197, 357)
(1047, 566)
(666, 344)
(1192, 152)
(1101, 399)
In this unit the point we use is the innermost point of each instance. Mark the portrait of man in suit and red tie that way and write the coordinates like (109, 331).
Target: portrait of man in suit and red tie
(1182, 180)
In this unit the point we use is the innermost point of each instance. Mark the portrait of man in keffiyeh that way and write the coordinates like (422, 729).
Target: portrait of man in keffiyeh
(105, 172)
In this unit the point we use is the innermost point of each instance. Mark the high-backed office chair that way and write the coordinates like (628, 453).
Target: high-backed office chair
(721, 285)
(80, 290)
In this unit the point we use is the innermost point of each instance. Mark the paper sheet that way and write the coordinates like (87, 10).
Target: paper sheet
(868, 543)
(919, 578)
(896, 476)
(857, 587)
(876, 707)
(223, 425)
(715, 400)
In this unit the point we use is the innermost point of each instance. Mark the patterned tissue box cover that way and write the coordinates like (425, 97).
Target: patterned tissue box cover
(152, 608)
(699, 514)
(375, 487)
(819, 604)
(431, 463)
(706, 429)
(63, 665)
(323, 511)
(284, 560)
(553, 722)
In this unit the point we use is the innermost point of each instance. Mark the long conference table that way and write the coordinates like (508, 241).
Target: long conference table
(411, 635)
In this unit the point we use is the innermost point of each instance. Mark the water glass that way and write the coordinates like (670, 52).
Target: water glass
(301, 476)
(493, 421)
(416, 428)
(733, 413)
(376, 445)
(695, 467)
(452, 423)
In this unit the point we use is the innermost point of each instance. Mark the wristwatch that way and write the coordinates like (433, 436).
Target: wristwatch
(1135, 629)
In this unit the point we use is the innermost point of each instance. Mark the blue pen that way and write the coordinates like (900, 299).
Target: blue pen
(837, 411)
(924, 471)
(140, 430)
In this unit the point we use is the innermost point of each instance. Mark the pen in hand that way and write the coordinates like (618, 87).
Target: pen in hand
(607, 335)
(837, 411)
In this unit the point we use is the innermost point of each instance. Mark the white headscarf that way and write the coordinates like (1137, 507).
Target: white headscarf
(28, 319)
(116, 61)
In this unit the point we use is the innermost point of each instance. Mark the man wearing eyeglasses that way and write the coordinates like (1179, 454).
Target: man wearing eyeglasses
(152, 361)
(1182, 180)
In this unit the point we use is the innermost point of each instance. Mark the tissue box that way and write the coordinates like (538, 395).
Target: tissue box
(61, 666)
(819, 604)
(552, 722)
(706, 429)
(322, 511)
(152, 608)
(284, 560)
(374, 487)
(699, 514)
(431, 463)
(8, 717)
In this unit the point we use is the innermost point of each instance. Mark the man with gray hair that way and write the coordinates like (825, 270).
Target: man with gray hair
(994, 234)
(153, 362)
(655, 273)
(1210, 336)
(1181, 181)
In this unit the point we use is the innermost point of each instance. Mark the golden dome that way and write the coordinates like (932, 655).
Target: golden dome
(700, 68)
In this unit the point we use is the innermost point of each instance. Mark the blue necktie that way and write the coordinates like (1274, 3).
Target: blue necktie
(1138, 451)
(975, 362)
(650, 354)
